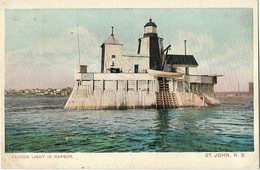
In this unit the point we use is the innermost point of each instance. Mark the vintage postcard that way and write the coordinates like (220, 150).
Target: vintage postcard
(129, 84)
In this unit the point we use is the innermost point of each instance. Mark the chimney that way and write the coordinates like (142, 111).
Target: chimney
(186, 68)
(185, 41)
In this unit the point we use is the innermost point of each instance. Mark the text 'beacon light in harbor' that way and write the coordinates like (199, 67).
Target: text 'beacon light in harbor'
(152, 78)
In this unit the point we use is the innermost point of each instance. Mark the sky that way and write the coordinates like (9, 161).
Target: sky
(41, 45)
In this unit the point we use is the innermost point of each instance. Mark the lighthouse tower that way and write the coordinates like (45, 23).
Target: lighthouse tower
(152, 45)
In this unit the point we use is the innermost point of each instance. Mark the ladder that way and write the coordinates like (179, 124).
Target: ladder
(165, 98)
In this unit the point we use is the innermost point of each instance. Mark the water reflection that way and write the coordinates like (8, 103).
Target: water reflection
(161, 131)
(181, 130)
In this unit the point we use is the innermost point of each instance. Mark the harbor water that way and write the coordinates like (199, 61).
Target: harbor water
(40, 124)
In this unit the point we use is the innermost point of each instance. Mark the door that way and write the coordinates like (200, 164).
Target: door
(136, 68)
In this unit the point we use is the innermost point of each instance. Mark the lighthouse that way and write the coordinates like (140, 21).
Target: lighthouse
(152, 45)
(149, 78)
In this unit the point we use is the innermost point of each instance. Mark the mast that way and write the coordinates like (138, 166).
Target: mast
(78, 44)
(208, 44)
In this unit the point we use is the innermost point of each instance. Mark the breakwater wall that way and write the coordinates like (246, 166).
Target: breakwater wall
(99, 91)
(113, 91)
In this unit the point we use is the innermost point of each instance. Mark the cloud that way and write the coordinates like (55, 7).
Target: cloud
(52, 62)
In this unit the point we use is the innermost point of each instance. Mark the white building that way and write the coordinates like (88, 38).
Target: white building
(149, 78)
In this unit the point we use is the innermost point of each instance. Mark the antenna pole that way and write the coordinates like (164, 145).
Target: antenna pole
(78, 44)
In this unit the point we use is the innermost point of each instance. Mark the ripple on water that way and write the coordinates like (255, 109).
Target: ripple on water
(41, 125)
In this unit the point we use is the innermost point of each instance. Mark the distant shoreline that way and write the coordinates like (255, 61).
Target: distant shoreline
(33, 96)
(49, 92)
(59, 96)
(233, 97)
(229, 95)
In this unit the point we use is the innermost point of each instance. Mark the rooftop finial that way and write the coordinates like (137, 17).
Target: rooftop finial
(150, 19)
(112, 31)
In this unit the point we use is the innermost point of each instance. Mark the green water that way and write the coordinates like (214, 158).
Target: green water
(41, 125)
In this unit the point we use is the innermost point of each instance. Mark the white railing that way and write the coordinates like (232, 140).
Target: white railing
(199, 79)
(113, 76)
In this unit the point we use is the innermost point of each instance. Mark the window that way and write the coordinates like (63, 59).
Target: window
(136, 68)
(113, 56)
